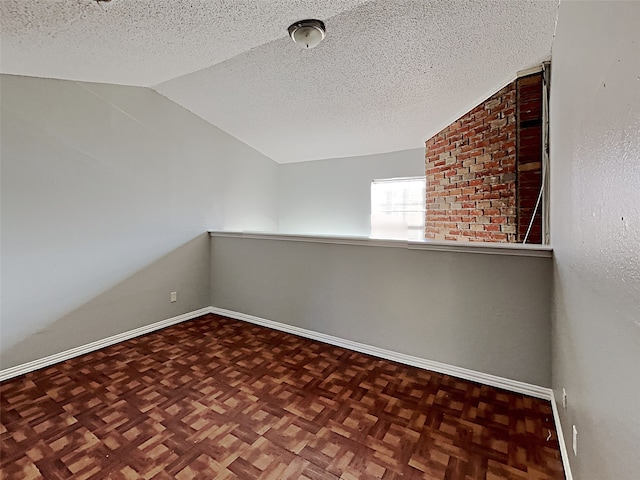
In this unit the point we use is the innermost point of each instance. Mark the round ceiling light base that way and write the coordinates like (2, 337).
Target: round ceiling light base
(307, 33)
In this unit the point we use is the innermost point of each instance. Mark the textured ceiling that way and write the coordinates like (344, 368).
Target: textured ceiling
(141, 42)
(390, 73)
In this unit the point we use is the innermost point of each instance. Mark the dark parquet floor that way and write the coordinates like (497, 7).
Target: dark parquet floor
(219, 398)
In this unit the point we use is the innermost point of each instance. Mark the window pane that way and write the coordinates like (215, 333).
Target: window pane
(397, 208)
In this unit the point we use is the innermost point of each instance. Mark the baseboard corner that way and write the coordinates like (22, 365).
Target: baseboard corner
(564, 453)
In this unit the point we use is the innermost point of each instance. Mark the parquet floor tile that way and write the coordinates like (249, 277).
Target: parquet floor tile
(220, 398)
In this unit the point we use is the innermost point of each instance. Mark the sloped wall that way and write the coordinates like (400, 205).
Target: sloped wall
(106, 193)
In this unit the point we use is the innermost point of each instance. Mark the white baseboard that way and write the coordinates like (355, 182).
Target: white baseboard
(90, 347)
(472, 375)
(564, 453)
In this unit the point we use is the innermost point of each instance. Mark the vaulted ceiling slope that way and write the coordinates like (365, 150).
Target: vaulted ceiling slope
(390, 73)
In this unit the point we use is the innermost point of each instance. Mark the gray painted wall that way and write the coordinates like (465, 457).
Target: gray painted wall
(488, 313)
(334, 196)
(106, 194)
(595, 228)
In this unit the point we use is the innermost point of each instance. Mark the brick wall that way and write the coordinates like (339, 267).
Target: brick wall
(483, 171)
(529, 155)
(471, 174)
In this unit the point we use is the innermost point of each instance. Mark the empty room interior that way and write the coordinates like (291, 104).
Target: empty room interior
(311, 239)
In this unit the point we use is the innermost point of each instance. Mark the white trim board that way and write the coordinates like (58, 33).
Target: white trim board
(12, 372)
(564, 453)
(513, 249)
(474, 376)
(464, 373)
(459, 372)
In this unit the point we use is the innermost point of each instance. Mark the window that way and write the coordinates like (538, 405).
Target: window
(398, 208)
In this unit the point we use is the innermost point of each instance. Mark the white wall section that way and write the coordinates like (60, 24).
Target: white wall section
(106, 194)
(334, 196)
(595, 232)
(488, 313)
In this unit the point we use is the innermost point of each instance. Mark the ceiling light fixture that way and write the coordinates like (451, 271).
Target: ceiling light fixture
(308, 33)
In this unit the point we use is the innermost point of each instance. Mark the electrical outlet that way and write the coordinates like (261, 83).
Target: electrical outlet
(174, 297)
(575, 441)
(564, 399)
